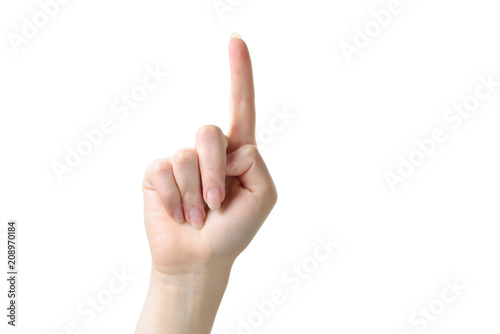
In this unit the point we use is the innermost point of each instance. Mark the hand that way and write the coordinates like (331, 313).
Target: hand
(203, 206)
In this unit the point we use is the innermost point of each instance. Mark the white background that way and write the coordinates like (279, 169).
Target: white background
(352, 121)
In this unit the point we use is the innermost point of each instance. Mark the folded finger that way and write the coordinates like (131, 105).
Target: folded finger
(211, 145)
(159, 176)
(187, 176)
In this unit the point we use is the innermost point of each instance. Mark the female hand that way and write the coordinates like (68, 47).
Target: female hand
(204, 205)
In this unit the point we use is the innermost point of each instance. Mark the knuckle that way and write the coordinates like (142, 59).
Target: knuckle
(162, 166)
(155, 168)
(208, 133)
(250, 151)
(274, 195)
(184, 156)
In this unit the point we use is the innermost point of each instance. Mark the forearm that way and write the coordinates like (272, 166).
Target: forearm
(183, 303)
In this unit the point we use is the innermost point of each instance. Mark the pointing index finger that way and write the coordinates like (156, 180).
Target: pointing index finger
(242, 101)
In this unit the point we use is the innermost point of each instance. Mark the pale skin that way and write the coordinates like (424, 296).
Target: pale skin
(202, 207)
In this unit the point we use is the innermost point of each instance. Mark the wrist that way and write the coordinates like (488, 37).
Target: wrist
(190, 276)
(186, 297)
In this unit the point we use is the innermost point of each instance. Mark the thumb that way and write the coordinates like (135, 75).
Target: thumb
(247, 164)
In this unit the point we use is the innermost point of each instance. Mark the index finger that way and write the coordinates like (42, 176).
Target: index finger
(242, 102)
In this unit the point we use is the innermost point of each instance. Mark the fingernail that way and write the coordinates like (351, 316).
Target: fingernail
(235, 35)
(196, 217)
(213, 198)
(178, 215)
